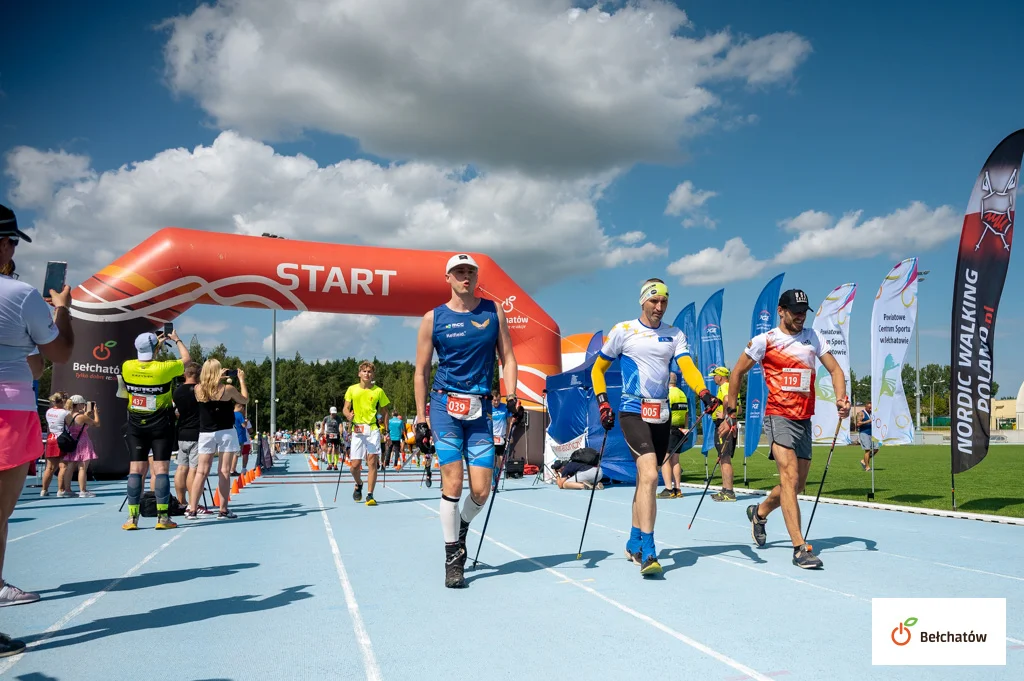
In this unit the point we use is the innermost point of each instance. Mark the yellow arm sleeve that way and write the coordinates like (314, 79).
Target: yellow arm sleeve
(597, 375)
(691, 374)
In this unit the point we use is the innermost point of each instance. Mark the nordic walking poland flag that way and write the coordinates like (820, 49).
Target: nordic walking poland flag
(981, 265)
(832, 321)
(892, 327)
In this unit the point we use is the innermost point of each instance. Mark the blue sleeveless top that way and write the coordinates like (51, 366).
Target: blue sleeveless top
(465, 343)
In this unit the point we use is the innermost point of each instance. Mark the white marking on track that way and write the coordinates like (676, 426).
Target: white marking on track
(5, 665)
(696, 645)
(362, 636)
(51, 527)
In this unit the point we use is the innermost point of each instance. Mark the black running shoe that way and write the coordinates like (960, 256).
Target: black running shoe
(429, 481)
(803, 558)
(650, 567)
(633, 556)
(357, 494)
(454, 566)
(757, 526)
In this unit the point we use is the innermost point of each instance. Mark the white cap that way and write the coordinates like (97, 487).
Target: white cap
(334, 410)
(460, 259)
(145, 345)
(77, 399)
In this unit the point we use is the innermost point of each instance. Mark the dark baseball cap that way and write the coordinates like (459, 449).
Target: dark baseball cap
(794, 300)
(9, 225)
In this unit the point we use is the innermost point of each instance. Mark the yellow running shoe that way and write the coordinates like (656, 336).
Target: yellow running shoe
(164, 522)
(370, 501)
(650, 567)
(132, 524)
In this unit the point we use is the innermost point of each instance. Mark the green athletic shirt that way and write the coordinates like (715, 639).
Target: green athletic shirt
(677, 403)
(147, 385)
(365, 402)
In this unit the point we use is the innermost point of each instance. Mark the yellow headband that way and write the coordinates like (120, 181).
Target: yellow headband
(653, 288)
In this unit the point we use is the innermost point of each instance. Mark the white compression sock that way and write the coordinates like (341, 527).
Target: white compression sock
(450, 519)
(470, 509)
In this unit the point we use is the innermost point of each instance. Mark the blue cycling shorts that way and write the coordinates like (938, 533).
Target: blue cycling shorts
(456, 439)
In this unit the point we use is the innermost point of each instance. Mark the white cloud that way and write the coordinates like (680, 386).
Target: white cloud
(700, 221)
(808, 221)
(631, 237)
(322, 335)
(685, 198)
(913, 228)
(412, 322)
(538, 230)
(35, 173)
(533, 84)
(188, 326)
(732, 262)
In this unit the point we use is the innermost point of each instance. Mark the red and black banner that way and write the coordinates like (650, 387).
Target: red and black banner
(980, 272)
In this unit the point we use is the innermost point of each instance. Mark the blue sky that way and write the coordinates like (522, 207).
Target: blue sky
(824, 107)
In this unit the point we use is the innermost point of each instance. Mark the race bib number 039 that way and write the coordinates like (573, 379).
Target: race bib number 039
(464, 407)
(796, 380)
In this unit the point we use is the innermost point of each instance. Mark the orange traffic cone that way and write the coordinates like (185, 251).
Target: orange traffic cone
(250, 476)
(234, 486)
(259, 473)
(216, 498)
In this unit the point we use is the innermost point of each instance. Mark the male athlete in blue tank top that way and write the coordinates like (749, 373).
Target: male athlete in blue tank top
(465, 332)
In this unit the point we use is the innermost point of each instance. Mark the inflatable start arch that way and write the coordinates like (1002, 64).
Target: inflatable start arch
(176, 268)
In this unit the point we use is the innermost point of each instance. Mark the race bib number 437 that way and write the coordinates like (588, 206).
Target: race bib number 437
(143, 403)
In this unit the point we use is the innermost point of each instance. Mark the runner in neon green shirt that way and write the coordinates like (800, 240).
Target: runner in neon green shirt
(362, 403)
(671, 473)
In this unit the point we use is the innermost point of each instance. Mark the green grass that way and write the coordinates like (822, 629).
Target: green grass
(905, 476)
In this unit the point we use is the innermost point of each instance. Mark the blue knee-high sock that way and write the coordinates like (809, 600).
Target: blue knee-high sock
(647, 545)
(134, 492)
(163, 493)
(633, 545)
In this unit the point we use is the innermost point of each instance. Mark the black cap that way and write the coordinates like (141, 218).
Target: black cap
(794, 300)
(9, 225)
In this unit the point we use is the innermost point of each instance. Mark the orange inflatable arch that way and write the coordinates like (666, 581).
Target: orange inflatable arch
(177, 268)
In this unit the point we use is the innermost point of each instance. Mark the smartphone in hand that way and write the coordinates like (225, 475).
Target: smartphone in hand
(168, 329)
(231, 373)
(56, 277)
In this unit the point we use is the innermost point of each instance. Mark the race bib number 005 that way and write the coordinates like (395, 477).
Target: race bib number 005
(796, 380)
(654, 411)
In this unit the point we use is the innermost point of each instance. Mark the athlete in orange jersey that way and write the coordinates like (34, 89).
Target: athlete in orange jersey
(788, 355)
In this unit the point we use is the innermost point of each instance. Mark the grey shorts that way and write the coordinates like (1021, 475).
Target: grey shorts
(795, 435)
(188, 453)
(865, 441)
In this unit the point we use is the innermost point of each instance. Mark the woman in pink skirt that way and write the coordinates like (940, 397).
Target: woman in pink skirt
(82, 415)
(56, 417)
(26, 322)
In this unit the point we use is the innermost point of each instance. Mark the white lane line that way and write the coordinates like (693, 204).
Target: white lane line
(51, 527)
(769, 572)
(696, 645)
(702, 555)
(362, 637)
(5, 665)
(829, 543)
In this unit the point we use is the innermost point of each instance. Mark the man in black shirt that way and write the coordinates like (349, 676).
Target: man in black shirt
(188, 432)
(575, 475)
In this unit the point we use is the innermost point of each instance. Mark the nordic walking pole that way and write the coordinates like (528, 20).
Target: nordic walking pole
(600, 456)
(713, 469)
(706, 486)
(494, 486)
(820, 486)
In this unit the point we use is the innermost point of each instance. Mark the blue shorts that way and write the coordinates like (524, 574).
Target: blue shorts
(456, 439)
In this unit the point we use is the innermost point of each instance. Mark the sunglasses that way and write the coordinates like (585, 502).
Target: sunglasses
(14, 240)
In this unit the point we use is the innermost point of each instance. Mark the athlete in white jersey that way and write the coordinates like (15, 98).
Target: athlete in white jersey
(645, 348)
(788, 354)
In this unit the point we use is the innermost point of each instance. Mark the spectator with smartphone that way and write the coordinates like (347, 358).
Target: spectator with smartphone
(188, 433)
(217, 434)
(26, 323)
(81, 416)
(55, 465)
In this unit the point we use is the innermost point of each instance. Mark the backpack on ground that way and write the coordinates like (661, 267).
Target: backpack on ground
(586, 456)
(147, 506)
